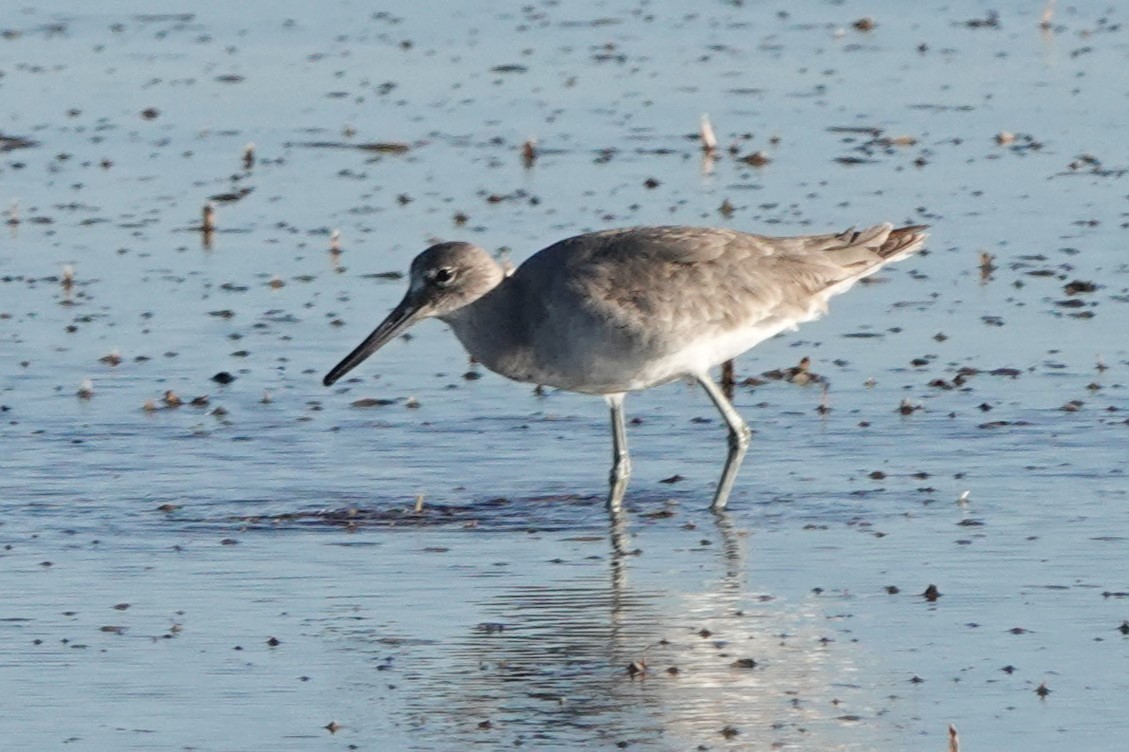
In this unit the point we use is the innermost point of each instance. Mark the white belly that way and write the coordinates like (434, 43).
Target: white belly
(699, 355)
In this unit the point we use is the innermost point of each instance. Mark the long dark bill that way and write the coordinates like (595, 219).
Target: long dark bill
(402, 316)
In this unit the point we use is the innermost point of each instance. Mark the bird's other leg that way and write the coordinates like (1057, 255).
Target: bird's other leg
(728, 379)
(739, 436)
(621, 462)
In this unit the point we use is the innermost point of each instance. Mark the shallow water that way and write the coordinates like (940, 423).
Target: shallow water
(150, 555)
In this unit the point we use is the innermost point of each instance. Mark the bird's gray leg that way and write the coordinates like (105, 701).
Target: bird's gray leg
(739, 436)
(621, 462)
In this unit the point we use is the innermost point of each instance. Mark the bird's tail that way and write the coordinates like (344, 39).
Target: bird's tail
(860, 253)
(902, 241)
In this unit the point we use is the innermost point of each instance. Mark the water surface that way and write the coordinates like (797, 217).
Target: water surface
(151, 555)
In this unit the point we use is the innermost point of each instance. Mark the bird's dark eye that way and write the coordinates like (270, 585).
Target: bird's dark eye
(443, 277)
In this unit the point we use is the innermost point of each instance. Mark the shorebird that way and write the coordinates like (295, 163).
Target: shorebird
(612, 312)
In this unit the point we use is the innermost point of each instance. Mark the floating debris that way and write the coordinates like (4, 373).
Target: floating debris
(756, 159)
(798, 374)
(903, 140)
(372, 402)
(85, 389)
(908, 408)
(230, 197)
(11, 143)
(986, 266)
(379, 147)
(208, 214)
(529, 153)
(1079, 286)
(991, 20)
(705, 133)
(1045, 21)
(67, 280)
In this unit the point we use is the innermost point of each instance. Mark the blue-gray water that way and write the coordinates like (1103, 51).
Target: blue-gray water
(149, 556)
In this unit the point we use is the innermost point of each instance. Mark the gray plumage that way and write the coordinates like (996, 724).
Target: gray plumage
(617, 311)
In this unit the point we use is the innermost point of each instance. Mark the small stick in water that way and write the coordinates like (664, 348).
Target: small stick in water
(208, 225)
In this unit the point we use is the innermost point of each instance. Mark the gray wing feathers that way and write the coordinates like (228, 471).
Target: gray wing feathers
(664, 281)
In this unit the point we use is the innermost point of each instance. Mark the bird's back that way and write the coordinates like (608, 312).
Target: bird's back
(625, 309)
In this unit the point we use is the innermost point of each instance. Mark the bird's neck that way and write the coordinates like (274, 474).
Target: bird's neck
(491, 333)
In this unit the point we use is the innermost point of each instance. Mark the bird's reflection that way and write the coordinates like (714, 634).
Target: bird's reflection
(651, 655)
